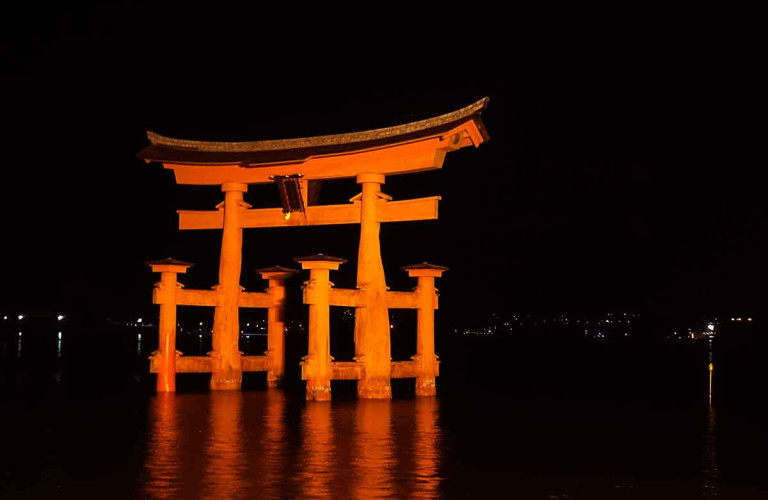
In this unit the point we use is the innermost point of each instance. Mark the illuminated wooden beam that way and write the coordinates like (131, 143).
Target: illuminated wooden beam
(402, 300)
(404, 369)
(346, 370)
(410, 369)
(260, 300)
(401, 158)
(346, 297)
(409, 210)
(352, 370)
(186, 297)
(201, 219)
(255, 363)
(341, 370)
(185, 364)
(316, 215)
(203, 364)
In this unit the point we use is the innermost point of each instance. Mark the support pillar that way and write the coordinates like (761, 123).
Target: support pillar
(426, 296)
(276, 322)
(316, 365)
(372, 341)
(227, 373)
(165, 295)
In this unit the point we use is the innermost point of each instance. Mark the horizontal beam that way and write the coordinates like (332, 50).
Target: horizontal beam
(186, 297)
(352, 370)
(191, 297)
(403, 158)
(402, 300)
(316, 215)
(203, 364)
(260, 300)
(184, 364)
(347, 297)
(406, 300)
(254, 363)
(201, 219)
(408, 369)
(346, 370)
(409, 210)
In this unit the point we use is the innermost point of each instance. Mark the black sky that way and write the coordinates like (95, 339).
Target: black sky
(620, 174)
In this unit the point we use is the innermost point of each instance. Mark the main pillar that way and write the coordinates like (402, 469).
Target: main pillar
(426, 296)
(316, 366)
(227, 373)
(372, 343)
(276, 322)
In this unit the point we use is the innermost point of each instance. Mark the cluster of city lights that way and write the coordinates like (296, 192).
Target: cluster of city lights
(499, 326)
(20, 317)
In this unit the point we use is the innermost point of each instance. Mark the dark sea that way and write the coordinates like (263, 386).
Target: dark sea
(521, 417)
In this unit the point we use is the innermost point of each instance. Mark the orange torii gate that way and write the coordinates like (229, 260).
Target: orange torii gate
(369, 157)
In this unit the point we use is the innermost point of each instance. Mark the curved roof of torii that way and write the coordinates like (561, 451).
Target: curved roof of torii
(270, 152)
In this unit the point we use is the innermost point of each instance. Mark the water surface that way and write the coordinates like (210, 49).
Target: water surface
(512, 420)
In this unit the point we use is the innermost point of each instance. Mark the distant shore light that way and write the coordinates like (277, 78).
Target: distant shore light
(60, 317)
(21, 317)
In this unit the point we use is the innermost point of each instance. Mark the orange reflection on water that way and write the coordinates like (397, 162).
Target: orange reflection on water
(263, 445)
(226, 466)
(163, 464)
(374, 450)
(318, 462)
(426, 449)
(272, 450)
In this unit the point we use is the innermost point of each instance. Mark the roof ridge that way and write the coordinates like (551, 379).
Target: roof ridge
(320, 140)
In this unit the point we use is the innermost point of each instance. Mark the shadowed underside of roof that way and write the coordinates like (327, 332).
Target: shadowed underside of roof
(257, 153)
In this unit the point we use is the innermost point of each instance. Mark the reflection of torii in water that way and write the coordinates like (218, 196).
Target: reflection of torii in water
(296, 165)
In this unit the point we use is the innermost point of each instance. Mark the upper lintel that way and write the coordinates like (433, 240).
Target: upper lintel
(320, 157)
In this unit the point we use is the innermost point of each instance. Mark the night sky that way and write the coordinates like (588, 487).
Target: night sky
(620, 175)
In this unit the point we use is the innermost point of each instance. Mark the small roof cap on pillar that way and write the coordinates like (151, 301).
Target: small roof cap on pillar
(169, 265)
(276, 272)
(321, 257)
(276, 269)
(425, 269)
(320, 261)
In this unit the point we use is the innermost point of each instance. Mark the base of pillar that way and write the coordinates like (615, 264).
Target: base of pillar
(374, 389)
(318, 393)
(425, 386)
(165, 384)
(226, 384)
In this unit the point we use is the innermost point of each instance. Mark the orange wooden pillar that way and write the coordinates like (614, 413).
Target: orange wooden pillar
(372, 342)
(276, 322)
(316, 365)
(164, 294)
(227, 373)
(426, 297)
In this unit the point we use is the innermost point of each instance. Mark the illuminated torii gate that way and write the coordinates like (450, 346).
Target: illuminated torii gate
(369, 157)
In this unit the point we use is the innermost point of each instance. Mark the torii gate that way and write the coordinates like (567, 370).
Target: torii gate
(368, 156)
